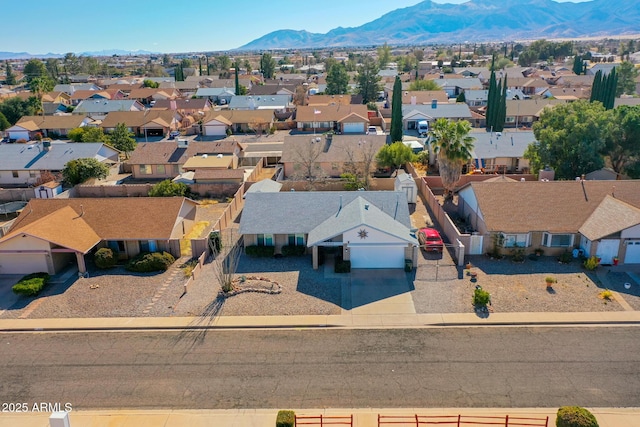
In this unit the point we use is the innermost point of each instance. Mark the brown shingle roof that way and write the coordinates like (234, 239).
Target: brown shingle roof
(54, 122)
(127, 218)
(212, 174)
(240, 116)
(557, 206)
(167, 152)
(136, 118)
(329, 113)
(295, 145)
(610, 217)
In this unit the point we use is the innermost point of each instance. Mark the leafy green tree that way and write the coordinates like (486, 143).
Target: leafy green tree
(352, 182)
(41, 85)
(34, 68)
(575, 416)
(337, 79)
(396, 111)
(122, 139)
(168, 188)
(627, 74)
(452, 146)
(186, 63)
(14, 108)
(10, 78)
(394, 155)
(578, 65)
(150, 83)
(94, 134)
(76, 134)
(53, 69)
(225, 62)
(267, 66)
(623, 139)
(569, 138)
(384, 55)
(368, 80)
(4, 123)
(79, 170)
(424, 85)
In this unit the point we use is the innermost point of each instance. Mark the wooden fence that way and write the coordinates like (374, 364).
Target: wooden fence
(460, 421)
(323, 420)
(195, 272)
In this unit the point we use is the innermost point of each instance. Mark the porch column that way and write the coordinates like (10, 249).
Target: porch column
(82, 268)
(314, 251)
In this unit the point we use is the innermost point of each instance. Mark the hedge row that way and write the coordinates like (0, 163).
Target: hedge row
(146, 262)
(293, 250)
(260, 251)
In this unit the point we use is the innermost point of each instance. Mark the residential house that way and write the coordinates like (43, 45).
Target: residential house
(523, 113)
(501, 152)
(412, 114)
(338, 118)
(556, 216)
(274, 89)
(71, 88)
(165, 159)
(98, 109)
(185, 106)
(216, 123)
(269, 102)
(606, 68)
(81, 95)
(333, 154)
(528, 86)
(147, 95)
(418, 97)
(455, 86)
(51, 233)
(144, 123)
(371, 229)
(23, 164)
(568, 94)
(48, 126)
(217, 95)
(322, 100)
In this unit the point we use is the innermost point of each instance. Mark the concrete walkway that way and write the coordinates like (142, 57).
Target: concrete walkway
(607, 417)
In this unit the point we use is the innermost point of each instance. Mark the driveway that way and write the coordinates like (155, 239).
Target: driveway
(7, 297)
(379, 291)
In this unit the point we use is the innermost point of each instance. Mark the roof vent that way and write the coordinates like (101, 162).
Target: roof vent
(204, 156)
(366, 207)
(219, 156)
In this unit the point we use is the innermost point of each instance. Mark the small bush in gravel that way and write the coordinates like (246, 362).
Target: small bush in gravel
(575, 416)
(565, 257)
(105, 258)
(260, 251)
(147, 262)
(293, 250)
(285, 419)
(591, 263)
(31, 284)
(481, 297)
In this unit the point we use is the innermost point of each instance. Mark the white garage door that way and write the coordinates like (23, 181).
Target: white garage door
(23, 263)
(19, 135)
(215, 130)
(377, 256)
(353, 128)
(633, 252)
(607, 249)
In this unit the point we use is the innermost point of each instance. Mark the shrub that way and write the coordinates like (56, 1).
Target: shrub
(565, 257)
(606, 295)
(293, 250)
(147, 262)
(260, 251)
(285, 419)
(188, 266)
(517, 255)
(104, 258)
(591, 263)
(31, 284)
(575, 416)
(481, 297)
(342, 266)
(550, 280)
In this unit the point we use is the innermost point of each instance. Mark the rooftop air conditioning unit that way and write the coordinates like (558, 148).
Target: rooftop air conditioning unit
(183, 143)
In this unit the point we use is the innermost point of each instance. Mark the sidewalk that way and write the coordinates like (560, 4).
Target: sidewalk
(607, 417)
(321, 321)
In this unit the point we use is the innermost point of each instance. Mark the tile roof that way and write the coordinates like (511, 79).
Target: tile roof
(300, 212)
(610, 217)
(117, 218)
(556, 206)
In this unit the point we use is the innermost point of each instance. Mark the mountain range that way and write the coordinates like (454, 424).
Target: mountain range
(110, 52)
(476, 21)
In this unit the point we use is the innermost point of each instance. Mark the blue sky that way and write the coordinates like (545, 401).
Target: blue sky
(43, 26)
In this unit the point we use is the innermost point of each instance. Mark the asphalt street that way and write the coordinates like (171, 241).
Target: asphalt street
(451, 367)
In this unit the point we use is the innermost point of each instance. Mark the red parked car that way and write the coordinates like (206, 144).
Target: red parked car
(430, 240)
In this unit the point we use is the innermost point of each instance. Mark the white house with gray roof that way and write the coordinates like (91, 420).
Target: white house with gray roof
(372, 229)
(412, 114)
(501, 151)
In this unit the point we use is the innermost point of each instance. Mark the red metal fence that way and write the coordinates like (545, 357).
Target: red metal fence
(323, 420)
(460, 421)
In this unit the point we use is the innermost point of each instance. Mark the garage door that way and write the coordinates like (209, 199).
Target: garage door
(23, 263)
(633, 252)
(215, 130)
(19, 135)
(377, 256)
(353, 128)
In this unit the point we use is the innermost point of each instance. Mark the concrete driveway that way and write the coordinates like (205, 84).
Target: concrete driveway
(7, 297)
(379, 291)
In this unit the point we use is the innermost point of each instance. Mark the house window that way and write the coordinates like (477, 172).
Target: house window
(14, 173)
(557, 240)
(160, 169)
(145, 170)
(511, 119)
(176, 169)
(515, 240)
(296, 239)
(32, 174)
(148, 246)
(116, 245)
(265, 239)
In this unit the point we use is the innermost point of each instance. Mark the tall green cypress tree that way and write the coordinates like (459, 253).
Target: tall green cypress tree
(501, 116)
(396, 111)
(577, 65)
(235, 66)
(595, 87)
(610, 96)
(491, 106)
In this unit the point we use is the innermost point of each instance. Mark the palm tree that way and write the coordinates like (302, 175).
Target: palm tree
(453, 145)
